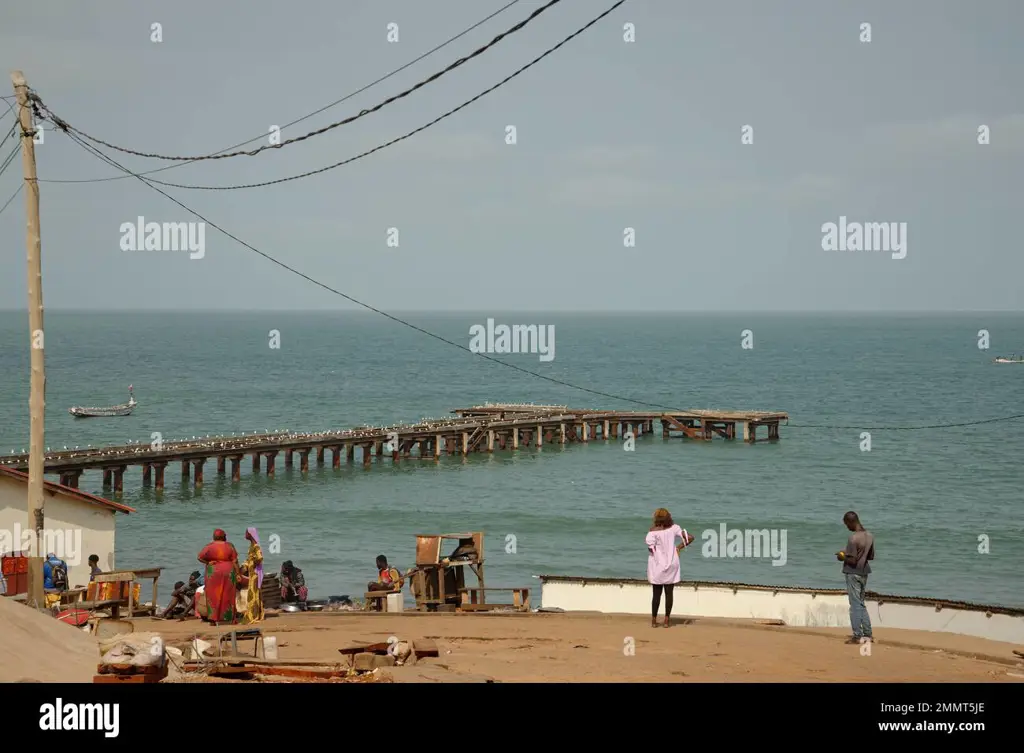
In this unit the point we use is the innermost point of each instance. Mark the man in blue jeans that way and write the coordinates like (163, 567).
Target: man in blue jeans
(860, 550)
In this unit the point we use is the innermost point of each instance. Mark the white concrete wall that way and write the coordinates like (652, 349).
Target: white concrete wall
(78, 528)
(796, 608)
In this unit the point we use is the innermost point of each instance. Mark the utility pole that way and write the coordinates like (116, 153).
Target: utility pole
(37, 397)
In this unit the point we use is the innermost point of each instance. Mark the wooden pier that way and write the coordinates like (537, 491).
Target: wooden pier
(482, 428)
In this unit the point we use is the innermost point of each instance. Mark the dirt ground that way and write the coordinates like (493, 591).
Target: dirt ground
(579, 647)
(36, 647)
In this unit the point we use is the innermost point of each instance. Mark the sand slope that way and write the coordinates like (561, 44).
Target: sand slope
(34, 646)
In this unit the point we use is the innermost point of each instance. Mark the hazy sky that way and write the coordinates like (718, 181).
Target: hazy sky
(609, 134)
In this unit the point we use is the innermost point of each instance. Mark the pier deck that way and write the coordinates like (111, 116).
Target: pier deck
(489, 427)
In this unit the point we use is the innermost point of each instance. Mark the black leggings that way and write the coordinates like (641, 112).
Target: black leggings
(656, 600)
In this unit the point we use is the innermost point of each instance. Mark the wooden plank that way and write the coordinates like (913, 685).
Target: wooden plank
(312, 674)
(368, 648)
(425, 647)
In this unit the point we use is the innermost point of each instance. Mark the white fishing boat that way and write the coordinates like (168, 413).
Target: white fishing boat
(1011, 359)
(125, 409)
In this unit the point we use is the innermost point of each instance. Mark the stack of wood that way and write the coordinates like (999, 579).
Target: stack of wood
(110, 673)
(271, 591)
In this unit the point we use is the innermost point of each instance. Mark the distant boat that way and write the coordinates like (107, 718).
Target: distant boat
(1011, 359)
(125, 409)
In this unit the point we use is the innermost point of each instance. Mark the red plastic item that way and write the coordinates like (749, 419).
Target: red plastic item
(15, 570)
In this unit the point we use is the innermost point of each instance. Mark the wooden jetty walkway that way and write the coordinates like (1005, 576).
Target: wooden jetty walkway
(501, 426)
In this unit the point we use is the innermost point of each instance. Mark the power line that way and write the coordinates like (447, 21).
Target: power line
(347, 297)
(6, 203)
(908, 428)
(252, 153)
(347, 97)
(424, 127)
(9, 159)
(559, 382)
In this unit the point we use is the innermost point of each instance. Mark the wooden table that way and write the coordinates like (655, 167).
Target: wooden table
(130, 577)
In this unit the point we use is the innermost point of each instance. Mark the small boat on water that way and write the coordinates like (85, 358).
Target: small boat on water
(125, 409)
(1011, 359)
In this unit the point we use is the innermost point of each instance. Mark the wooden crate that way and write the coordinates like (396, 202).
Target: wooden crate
(114, 673)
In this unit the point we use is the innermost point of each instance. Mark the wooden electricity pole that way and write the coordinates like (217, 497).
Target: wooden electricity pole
(37, 397)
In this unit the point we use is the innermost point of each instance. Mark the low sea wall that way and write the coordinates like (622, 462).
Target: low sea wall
(798, 607)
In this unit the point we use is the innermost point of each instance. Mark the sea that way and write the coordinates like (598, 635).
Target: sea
(878, 406)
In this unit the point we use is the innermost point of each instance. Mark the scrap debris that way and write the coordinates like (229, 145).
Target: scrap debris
(368, 657)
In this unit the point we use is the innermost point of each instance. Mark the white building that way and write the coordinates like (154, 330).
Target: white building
(793, 605)
(75, 523)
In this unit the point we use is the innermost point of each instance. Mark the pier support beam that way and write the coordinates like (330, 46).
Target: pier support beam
(220, 465)
(270, 462)
(185, 471)
(350, 453)
(540, 436)
(515, 438)
(107, 478)
(465, 443)
(367, 454)
(147, 474)
(320, 455)
(585, 431)
(304, 460)
(255, 462)
(336, 456)
(119, 479)
(287, 459)
(604, 430)
(490, 440)
(159, 481)
(437, 445)
(236, 468)
(773, 432)
(748, 432)
(561, 433)
(70, 478)
(198, 477)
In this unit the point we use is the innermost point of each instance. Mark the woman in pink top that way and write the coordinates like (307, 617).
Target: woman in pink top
(663, 560)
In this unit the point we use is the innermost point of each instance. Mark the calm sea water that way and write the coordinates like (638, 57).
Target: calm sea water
(579, 510)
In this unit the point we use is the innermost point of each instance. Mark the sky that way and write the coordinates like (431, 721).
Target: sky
(638, 124)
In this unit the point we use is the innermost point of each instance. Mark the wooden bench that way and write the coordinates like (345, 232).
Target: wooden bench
(475, 599)
(375, 600)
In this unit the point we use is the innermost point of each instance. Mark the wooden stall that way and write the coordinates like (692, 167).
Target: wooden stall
(120, 589)
(440, 578)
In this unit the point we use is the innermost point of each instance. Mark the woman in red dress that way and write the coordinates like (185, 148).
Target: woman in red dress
(222, 574)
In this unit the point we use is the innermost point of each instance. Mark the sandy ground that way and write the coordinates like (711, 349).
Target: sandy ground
(35, 646)
(550, 648)
(596, 648)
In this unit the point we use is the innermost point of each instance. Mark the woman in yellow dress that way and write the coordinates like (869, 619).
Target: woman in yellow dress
(254, 569)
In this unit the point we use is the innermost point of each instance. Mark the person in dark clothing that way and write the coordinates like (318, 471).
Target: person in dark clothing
(94, 567)
(293, 583)
(859, 552)
(183, 598)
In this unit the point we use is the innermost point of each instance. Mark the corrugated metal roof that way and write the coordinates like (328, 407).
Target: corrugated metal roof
(68, 491)
(940, 603)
